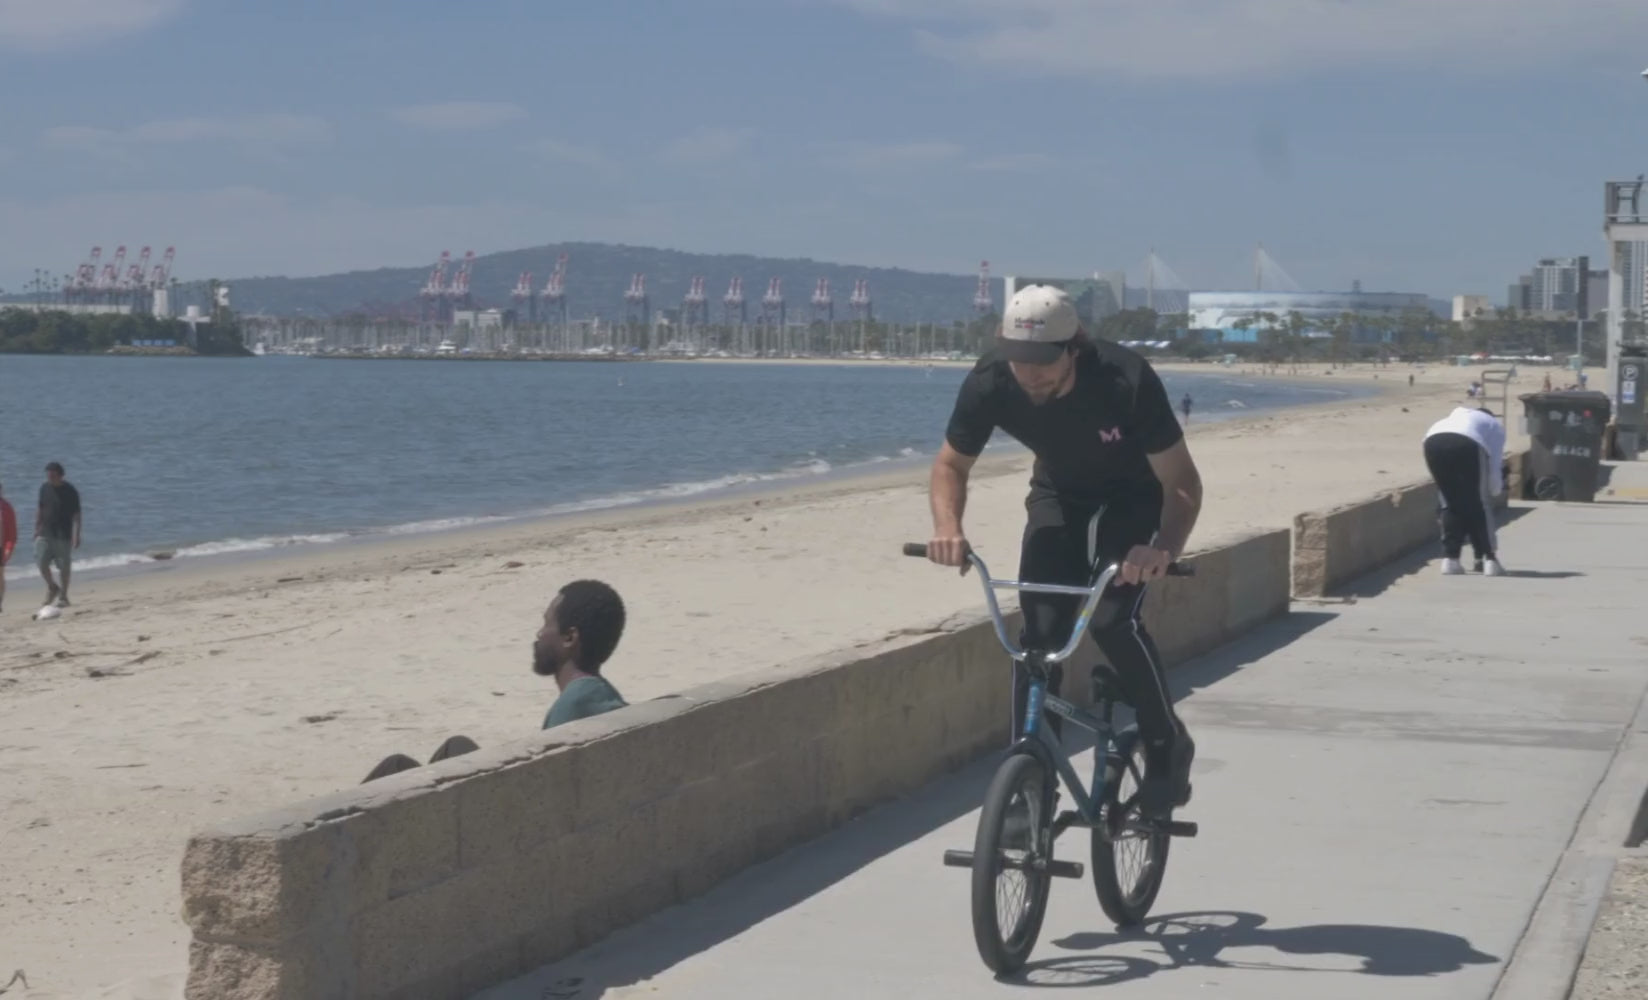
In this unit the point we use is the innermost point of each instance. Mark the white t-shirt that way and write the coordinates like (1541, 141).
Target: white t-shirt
(1485, 430)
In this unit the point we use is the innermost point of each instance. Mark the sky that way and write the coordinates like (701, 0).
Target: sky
(1437, 146)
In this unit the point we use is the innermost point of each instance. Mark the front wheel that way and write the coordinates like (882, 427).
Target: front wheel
(1129, 859)
(1014, 833)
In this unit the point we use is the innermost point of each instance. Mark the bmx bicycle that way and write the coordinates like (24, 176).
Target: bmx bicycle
(1012, 857)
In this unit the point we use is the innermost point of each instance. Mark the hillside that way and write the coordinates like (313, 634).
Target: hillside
(598, 274)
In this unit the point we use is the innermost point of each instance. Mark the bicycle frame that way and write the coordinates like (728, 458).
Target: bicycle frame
(1036, 739)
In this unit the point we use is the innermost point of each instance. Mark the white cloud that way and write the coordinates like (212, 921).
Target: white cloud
(1271, 38)
(708, 145)
(58, 24)
(451, 116)
(558, 151)
(262, 131)
(872, 156)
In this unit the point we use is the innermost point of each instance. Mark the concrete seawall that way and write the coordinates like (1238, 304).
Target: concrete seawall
(442, 880)
(1333, 547)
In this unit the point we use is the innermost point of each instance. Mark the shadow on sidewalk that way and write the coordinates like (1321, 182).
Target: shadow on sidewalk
(1203, 939)
(1245, 650)
(1423, 558)
(646, 949)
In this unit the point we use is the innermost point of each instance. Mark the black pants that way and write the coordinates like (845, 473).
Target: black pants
(1056, 545)
(1460, 468)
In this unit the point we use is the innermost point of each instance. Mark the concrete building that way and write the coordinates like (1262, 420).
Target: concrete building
(1230, 317)
(1553, 288)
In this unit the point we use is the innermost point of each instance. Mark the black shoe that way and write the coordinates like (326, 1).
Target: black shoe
(1165, 789)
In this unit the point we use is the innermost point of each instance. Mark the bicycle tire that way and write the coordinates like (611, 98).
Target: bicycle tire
(1020, 776)
(1126, 908)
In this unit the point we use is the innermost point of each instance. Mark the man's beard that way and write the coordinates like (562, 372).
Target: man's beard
(543, 662)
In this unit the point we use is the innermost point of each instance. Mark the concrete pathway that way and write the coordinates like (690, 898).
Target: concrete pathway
(1385, 788)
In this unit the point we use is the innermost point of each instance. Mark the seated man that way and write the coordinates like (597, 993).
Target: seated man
(581, 629)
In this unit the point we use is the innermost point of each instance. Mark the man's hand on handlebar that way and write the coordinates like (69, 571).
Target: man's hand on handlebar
(949, 550)
(1145, 563)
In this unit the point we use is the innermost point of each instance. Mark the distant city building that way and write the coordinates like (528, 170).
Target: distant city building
(1234, 317)
(1552, 288)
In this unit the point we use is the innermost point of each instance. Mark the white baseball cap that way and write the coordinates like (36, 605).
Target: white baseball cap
(1038, 324)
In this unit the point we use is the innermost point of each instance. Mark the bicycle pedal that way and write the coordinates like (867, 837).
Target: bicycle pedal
(1065, 869)
(1180, 828)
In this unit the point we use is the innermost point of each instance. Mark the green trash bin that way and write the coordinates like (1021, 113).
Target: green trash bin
(1565, 453)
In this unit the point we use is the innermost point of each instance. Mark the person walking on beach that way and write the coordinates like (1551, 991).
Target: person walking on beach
(56, 531)
(1113, 481)
(1185, 404)
(1463, 451)
(8, 541)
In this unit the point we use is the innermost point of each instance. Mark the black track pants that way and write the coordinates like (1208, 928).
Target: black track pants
(1460, 468)
(1057, 540)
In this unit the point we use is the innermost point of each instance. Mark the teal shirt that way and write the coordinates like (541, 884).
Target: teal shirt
(583, 698)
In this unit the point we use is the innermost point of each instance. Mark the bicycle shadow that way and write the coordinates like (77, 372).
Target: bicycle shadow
(1201, 940)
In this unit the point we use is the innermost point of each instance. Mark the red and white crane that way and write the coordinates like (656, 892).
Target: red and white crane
(85, 277)
(433, 292)
(732, 303)
(863, 308)
(982, 303)
(108, 281)
(135, 275)
(823, 302)
(695, 308)
(162, 271)
(554, 296)
(772, 303)
(458, 291)
(525, 294)
(637, 307)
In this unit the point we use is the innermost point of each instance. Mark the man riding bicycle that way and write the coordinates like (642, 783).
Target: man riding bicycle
(1113, 481)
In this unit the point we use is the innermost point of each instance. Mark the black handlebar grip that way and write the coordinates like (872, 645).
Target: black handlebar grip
(1181, 569)
(917, 549)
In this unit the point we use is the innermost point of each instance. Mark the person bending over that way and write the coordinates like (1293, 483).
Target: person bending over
(1464, 451)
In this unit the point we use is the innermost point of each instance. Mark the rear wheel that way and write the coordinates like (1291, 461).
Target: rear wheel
(1129, 858)
(1014, 833)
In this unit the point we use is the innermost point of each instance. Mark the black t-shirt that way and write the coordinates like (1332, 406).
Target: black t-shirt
(1091, 443)
(58, 506)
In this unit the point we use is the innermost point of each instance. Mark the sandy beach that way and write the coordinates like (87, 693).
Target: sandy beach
(170, 700)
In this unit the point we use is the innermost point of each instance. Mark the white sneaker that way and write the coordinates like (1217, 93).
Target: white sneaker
(1452, 567)
(1492, 568)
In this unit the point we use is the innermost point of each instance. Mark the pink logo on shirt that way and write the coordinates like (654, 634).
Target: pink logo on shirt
(1110, 435)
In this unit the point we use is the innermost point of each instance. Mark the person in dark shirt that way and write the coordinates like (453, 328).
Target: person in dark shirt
(581, 629)
(1113, 481)
(56, 531)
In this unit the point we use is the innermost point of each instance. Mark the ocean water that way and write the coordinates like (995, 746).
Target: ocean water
(203, 457)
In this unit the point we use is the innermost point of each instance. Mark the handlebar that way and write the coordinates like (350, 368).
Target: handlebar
(1092, 594)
